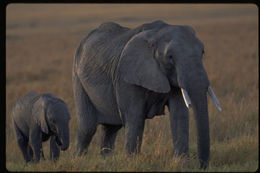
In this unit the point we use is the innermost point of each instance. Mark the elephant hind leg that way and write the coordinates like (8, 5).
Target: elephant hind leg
(30, 151)
(108, 138)
(83, 141)
(87, 120)
(22, 141)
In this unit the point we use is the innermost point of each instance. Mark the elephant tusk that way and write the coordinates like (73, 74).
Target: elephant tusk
(186, 98)
(214, 98)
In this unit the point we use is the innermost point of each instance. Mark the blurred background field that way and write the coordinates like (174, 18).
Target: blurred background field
(41, 40)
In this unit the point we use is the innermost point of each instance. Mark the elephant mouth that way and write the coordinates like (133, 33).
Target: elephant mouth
(63, 146)
(210, 92)
(59, 143)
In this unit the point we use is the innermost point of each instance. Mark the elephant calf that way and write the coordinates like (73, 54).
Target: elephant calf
(36, 118)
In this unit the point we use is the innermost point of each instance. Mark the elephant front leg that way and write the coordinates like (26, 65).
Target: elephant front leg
(54, 149)
(30, 152)
(132, 106)
(134, 135)
(179, 120)
(42, 154)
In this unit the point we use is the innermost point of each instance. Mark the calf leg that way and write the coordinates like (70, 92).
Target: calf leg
(30, 151)
(22, 141)
(35, 140)
(54, 149)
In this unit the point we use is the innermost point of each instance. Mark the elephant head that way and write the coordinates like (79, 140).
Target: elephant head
(54, 118)
(171, 57)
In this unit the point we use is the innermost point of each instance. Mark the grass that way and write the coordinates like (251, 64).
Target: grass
(39, 56)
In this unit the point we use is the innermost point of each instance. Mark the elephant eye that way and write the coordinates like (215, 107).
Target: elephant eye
(171, 59)
(51, 120)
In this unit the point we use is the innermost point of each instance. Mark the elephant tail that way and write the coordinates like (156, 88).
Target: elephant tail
(76, 59)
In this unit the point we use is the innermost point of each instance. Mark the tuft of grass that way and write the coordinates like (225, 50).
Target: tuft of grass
(235, 151)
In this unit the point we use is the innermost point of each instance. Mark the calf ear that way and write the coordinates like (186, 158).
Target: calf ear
(39, 111)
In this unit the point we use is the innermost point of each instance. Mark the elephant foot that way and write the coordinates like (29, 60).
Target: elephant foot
(54, 158)
(106, 151)
(182, 162)
(204, 164)
(78, 151)
(43, 158)
(32, 162)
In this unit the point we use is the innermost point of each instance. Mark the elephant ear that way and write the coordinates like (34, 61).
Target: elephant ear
(39, 111)
(138, 66)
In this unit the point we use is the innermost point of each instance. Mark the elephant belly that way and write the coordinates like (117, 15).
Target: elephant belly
(102, 97)
(156, 105)
(155, 110)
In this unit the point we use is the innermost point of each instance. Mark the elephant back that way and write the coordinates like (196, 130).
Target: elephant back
(26, 101)
(21, 111)
(100, 49)
(112, 27)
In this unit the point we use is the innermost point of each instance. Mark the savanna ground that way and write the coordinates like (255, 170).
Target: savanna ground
(40, 44)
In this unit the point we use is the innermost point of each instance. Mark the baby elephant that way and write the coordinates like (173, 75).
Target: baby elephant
(36, 118)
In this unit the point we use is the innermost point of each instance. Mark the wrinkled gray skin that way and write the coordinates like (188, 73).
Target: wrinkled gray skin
(36, 118)
(123, 76)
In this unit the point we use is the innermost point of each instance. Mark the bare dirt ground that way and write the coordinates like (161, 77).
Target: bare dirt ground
(40, 44)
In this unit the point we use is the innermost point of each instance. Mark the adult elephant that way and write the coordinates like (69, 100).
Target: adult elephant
(123, 76)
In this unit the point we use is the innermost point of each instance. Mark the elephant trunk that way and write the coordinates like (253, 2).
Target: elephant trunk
(196, 97)
(64, 138)
(194, 88)
(200, 108)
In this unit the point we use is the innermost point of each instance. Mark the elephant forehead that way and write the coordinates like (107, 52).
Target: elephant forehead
(59, 111)
(186, 45)
(177, 37)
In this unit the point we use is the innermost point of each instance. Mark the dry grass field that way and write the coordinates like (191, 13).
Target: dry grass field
(41, 40)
